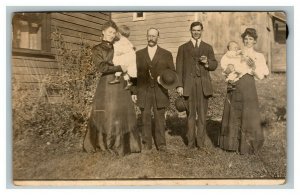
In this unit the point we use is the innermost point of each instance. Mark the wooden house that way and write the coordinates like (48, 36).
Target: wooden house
(33, 50)
(219, 29)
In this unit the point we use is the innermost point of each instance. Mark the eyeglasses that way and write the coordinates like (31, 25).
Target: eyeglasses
(152, 36)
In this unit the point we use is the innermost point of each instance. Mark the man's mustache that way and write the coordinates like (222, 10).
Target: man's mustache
(151, 41)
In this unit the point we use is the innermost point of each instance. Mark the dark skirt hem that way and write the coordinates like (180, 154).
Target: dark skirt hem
(241, 130)
(113, 123)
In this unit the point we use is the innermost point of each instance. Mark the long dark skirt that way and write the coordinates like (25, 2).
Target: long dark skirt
(241, 129)
(113, 125)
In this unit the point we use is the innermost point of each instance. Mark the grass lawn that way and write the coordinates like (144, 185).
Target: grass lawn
(36, 158)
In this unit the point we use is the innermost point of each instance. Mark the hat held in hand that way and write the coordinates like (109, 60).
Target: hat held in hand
(180, 104)
(168, 79)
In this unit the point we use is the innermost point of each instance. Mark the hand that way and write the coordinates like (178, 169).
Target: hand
(180, 91)
(134, 98)
(240, 52)
(250, 62)
(203, 59)
(253, 72)
(231, 67)
(230, 81)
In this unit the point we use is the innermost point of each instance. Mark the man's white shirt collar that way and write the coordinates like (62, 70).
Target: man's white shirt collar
(151, 51)
(194, 41)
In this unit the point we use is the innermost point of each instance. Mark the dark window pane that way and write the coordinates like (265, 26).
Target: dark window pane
(279, 31)
(139, 14)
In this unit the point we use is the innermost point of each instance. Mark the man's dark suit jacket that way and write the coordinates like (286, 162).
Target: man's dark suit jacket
(186, 67)
(161, 61)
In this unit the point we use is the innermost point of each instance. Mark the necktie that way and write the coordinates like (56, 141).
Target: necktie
(196, 45)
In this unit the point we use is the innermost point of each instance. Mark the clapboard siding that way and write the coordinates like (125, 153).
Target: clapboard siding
(166, 40)
(156, 19)
(77, 33)
(74, 27)
(20, 61)
(163, 35)
(103, 16)
(78, 27)
(75, 20)
(32, 70)
(181, 26)
(88, 18)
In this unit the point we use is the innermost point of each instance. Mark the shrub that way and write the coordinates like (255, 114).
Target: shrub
(35, 113)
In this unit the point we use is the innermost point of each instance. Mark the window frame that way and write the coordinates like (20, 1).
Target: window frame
(45, 51)
(136, 18)
(276, 20)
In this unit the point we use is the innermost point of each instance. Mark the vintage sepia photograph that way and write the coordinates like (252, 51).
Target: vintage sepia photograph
(149, 98)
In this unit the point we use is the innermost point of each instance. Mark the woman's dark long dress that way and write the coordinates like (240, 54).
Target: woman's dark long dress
(112, 125)
(241, 129)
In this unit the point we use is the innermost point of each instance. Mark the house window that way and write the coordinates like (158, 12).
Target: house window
(31, 33)
(280, 31)
(138, 16)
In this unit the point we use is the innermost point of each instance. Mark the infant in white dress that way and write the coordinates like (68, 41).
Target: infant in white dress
(124, 55)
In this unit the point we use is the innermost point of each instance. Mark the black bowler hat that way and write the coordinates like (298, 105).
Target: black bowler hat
(181, 105)
(168, 79)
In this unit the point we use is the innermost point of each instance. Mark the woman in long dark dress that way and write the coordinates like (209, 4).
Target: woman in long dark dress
(112, 125)
(241, 129)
